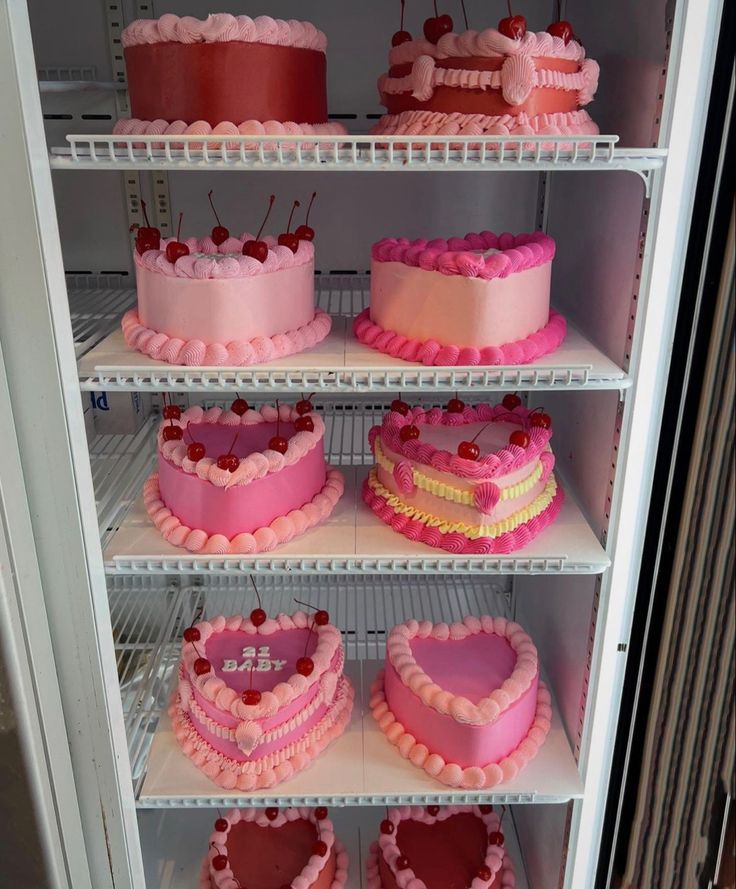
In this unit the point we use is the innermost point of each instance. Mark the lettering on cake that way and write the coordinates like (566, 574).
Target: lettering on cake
(257, 659)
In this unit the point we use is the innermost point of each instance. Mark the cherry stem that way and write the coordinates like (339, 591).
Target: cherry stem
(209, 195)
(309, 636)
(403, 4)
(293, 207)
(145, 214)
(436, 14)
(483, 429)
(511, 12)
(278, 417)
(258, 595)
(265, 219)
(465, 13)
(559, 10)
(234, 440)
(178, 228)
(305, 604)
(309, 208)
(503, 813)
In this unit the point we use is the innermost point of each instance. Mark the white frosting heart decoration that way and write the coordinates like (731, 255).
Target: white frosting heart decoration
(247, 735)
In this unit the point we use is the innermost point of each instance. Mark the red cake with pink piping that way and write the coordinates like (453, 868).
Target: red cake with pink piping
(474, 480)
(225, 75)
(259, 698)
(493, 82)
(295, 848)
(463, 701)
(440, 847)
(240, 480)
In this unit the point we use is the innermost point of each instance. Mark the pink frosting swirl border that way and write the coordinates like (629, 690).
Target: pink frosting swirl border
(131, 126)
(281, 530)
(221, 28)
(457, 543)
(432, 353)
(237, 353)
(452, 774)
(455, 256)
(489, 709)
(254, 466)
(497, 859)
(217, 845)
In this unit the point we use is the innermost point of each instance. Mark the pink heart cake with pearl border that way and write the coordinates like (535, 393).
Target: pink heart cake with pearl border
(274, 848)
(478, 300)
(433, 847)
(463, 701)
(269, 492)
(257, 702)
(475, 480)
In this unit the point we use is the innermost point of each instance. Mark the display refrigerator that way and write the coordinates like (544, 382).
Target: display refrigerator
(95, 601)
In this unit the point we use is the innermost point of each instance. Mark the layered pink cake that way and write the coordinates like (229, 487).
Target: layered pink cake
(510, 81)
(274, 848)
(474, 480)
(463, 701)
(478, 300)
(257, 701)
(241, 480)
(434, 847)
(225, 75)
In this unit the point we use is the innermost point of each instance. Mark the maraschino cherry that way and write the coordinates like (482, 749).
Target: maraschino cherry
(288, 238)
(278, 442)
(496, 838)
(192, 634)
(304, 405)
(219, 862)
(258, 249)
(436, 28)
(320, 813)
(455, 406)
(239, 406)
(304, 424)
(401, 407)
(271, 814)
(258, 616)
(221, 825)
(202, 666)
(409, 433)
(470, 450)
(484, 872)
(511, 401)
(305, 232)
(176, 249)
(304, 664)
(172, 433)
(172, 412)
(433, 811)
(251, 696)
(402, 863)
(387, 827)
(401, 36)
(320, 848)
(561, 28)
(229, 462)
(519, 438)
(147, 237)
(196, 450)
(513, 26)
(219, 233)
(540, 419)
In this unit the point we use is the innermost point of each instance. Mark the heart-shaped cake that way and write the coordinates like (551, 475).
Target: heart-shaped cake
(240, 480)
(474, 480)
(273, 849)
(463, 701)
(257, 702)
(433, 847)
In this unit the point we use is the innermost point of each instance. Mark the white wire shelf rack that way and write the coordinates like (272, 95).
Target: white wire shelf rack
(351, 153)
(339, 364)
(174, 844)
(361, 768)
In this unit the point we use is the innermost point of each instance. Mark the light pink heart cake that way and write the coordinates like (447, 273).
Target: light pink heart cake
(433, 847)
(257, 702)
(478, 300)
(472, 480)
(240, 481)
(274, 848)
(463, 701)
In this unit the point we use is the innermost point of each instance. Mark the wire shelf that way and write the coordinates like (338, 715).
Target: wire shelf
(339, 364)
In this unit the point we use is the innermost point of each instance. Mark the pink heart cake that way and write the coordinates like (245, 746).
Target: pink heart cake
(509, 81)
(275, 849)
(473, 480)
(478, 300)
(463, 701)
(449, 847)
(257, 702)
(240, 480)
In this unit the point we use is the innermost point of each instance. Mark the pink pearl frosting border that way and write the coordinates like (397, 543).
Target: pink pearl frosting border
(257, 464)
(456, 256)
(224, 879)
(473, 777)
(497, 860)
(281, 530)
(457, 707)
(430, 352)
(131, 126)
(237, 353)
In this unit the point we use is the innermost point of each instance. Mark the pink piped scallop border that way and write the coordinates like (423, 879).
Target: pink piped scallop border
(490, 708)
(238, 353)
(223, 879)
(455, 542)
(433, 353)
(497, 860)
(281, 530)
(452, 774)
(274, 768)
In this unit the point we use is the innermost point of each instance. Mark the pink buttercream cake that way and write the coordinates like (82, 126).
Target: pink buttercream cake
(240, 481)
(247, 710)
(440, 847)
(478, 300)
(216, 306)
(463, 701)
(274, 848)
(467, 479)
